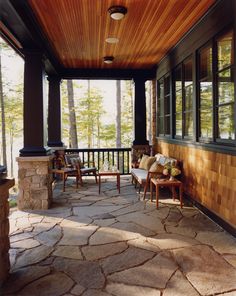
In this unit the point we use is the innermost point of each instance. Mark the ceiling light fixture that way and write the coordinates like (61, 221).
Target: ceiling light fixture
(108, 59)
(117, 12)
(112, 40)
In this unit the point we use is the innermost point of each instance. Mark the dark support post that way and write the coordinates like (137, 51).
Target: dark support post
(34, 107)
(54, 112)
(140, 113)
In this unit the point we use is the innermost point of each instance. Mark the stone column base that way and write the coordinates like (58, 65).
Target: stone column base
(35, 182)
(4, 229)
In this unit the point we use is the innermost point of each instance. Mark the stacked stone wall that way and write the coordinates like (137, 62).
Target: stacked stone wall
(4, 229)
(35, 183)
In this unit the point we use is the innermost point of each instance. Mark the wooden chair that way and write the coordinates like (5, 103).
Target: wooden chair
(83, 168)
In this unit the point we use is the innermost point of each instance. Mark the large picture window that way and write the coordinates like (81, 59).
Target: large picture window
(188, 98)
(216, 90)
(203, 91)
(178, 101)
(163, 106)
(183, 89)
(225, 87)
(205, 94)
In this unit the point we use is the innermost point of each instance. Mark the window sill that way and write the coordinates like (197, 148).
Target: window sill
(216, 147)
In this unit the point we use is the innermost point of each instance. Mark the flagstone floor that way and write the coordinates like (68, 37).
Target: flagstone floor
(117, 244)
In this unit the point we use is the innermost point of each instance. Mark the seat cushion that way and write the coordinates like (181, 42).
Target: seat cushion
(88, 170)
(140, 175)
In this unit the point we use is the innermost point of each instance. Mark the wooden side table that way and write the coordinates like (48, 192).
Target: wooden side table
(109, 173)
(64, 173)
(167, 183)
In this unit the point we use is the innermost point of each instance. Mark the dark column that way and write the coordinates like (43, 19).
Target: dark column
(34, 107)
(54, 112)
(140, 134)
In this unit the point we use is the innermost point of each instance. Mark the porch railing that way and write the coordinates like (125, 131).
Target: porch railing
(117, 157)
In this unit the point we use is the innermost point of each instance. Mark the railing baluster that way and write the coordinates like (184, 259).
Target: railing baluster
(123, 162)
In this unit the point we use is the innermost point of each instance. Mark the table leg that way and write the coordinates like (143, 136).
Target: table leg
(157, 195)
(151, 190)
(173, 192)
(64, 181)
(181, 195)
(118, 182)
(99, 183)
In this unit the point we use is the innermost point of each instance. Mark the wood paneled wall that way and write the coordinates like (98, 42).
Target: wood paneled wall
(209, 178)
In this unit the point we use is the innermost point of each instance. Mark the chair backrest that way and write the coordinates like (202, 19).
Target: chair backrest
(70, 157)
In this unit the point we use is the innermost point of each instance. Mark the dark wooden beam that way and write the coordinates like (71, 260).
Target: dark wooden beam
(19, 19)
(146, 74)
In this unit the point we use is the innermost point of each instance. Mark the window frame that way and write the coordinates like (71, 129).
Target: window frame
(166, 104)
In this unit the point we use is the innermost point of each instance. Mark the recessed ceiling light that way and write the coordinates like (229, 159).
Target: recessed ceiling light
(112, 40)
(108, 59)
(117, 12)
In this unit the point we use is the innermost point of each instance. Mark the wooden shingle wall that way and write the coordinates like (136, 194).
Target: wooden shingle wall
(209, 178)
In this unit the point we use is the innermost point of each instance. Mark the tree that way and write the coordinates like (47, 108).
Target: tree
(118, 114)
(14, 115)
(73, 142)
(91, 109)
(127, 114)
(4, 145)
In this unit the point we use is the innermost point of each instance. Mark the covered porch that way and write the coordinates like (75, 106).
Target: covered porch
(107, 244)
(125, 246)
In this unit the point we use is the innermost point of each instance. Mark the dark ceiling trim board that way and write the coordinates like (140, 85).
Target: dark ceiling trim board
(37, 38)
(147, 74)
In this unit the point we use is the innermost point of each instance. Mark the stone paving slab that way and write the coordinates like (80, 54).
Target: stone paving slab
(178, 285)
(129, 258)
(167, 241)
(223, 243)
(208, 272)
(72, 252)
(126, 290)
(106, 235)
(55, 284)
(155, 273)
(33, 256)
(85, 273)
(103, 251)
(118, 245)
(24, 276)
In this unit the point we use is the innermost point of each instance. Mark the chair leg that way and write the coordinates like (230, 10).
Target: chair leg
(64, 177)
(77, 181)
(95, 175)
(146, 186)
(140, 186)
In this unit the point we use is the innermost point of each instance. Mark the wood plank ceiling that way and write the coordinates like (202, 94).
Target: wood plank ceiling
(77, 29)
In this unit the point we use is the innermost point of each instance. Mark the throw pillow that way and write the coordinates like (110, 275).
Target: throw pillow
(143, 160)
(148, 162)
(156, 167)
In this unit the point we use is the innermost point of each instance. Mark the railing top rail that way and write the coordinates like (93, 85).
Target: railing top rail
(97, 149)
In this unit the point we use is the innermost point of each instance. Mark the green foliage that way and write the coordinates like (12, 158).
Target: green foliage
(91, 128)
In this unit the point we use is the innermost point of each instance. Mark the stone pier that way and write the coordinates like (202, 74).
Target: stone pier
(35, 182)
(4, 229)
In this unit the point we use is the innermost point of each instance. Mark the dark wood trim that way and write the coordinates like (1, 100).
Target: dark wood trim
(21, 21)
(146, 74)
(231, 150)
(226, 226)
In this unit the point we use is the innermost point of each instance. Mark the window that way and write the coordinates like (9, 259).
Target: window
(183, 88)
(205, 94)
(188, 98)
(163, 106)
(178, 101)
(225, 87)
(216, 90)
